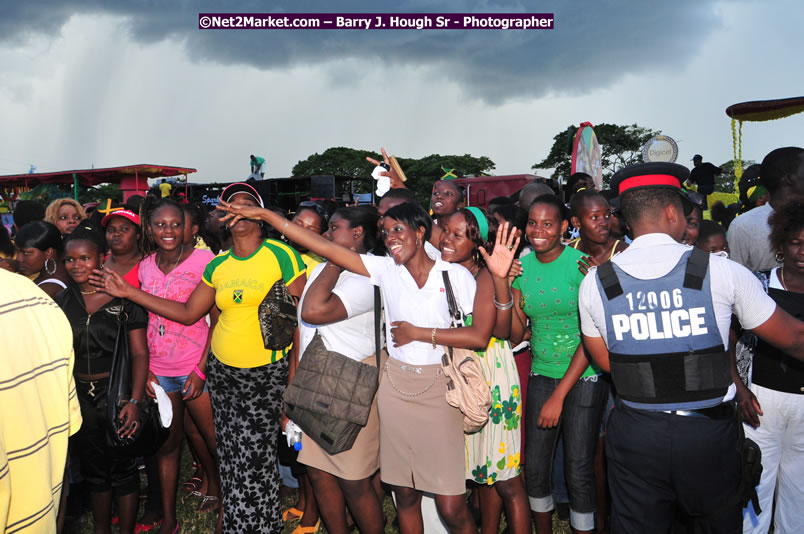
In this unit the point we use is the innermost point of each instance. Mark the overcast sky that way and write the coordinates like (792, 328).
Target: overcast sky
(110, 83)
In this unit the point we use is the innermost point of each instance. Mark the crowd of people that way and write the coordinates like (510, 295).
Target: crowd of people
(630, 361)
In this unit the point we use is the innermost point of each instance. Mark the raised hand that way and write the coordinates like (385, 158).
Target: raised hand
(235, 212)
(396, 181)
(110, 282)
(505, 246)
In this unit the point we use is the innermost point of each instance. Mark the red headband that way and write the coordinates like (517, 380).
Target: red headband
(649, 180)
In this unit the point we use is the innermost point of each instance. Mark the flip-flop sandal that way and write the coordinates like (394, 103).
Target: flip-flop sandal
(194, 482)
(193, 494)
(292, 514)
(145, 527)
(206, 500)
(307, 530)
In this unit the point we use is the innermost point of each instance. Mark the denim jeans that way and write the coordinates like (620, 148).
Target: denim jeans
(579, 424)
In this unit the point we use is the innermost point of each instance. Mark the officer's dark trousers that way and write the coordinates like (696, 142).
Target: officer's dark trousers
(664, 467)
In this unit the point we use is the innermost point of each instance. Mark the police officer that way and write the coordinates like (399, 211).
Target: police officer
(657, 317)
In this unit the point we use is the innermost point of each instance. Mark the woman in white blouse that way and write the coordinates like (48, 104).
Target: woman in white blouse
(338, 306)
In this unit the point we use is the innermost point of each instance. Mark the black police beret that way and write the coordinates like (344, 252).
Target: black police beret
(653, 174)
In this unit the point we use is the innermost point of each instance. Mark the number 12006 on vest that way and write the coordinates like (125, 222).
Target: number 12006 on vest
(673, 321)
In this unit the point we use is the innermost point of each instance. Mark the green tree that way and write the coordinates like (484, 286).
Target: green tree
(725, 182)
(338, 161)
(421, 172)
(99, 193)
(619, 146)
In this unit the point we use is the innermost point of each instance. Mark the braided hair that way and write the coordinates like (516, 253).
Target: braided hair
(147, 210)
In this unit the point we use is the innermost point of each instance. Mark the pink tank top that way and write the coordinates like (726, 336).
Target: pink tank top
(174, 348)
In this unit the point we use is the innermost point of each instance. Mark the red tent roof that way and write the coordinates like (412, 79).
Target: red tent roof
(90, 177)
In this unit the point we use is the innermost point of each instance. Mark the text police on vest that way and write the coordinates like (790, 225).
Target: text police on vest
(672, 321)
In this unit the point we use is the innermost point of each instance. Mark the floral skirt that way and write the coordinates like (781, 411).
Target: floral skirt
(246, 407)
(493, 453)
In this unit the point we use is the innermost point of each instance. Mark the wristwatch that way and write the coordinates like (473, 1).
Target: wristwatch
(135, 402)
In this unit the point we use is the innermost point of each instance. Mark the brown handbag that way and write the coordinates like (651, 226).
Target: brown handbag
(467, 388)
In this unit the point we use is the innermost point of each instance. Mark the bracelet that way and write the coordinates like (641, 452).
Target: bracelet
(432, 337)
(201, 375)
(504, 306)
(284, 228)
(135, 402)
(336, 266)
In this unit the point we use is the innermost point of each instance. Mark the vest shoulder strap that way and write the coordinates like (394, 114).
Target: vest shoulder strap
(609, 281)
(697, 265)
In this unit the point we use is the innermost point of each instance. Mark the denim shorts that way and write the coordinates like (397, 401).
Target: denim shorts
(175, 384)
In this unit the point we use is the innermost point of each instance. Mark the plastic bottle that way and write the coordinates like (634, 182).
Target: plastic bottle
(294, 435)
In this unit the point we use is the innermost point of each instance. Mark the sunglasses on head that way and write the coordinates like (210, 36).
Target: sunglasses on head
(310, 204)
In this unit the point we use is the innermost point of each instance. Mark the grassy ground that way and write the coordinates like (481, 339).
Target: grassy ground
(193, 522)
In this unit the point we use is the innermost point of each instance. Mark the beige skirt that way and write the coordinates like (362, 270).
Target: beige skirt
(359, 462)
(421, 436)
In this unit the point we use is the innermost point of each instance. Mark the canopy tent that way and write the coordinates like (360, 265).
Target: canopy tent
(133, 179)
(757, 111)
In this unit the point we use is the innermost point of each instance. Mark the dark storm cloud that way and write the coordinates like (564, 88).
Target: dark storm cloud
(594, 44)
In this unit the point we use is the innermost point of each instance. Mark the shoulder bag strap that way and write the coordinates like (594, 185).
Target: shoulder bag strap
(377, 327)
(454, 312)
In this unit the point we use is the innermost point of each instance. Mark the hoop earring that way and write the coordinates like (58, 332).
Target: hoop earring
(49, 271)
(418, 243)
(779, 256)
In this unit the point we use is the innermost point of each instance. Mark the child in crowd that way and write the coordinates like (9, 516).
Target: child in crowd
(712, 237)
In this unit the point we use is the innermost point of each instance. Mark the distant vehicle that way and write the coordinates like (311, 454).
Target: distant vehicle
(478, 190)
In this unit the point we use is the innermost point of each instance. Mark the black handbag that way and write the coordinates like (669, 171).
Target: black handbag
(150, 434)
(277, 317)
(330, 396)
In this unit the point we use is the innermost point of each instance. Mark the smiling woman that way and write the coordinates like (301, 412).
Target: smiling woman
(563, 390)
(493, 453)
(178, 352)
